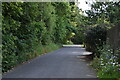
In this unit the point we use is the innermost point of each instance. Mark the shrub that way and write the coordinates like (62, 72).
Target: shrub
(25, 25)
(95, 37)
(78, 38)
(107, 65)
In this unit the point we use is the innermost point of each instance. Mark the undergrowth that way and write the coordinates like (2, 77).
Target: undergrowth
(46, 48)
(39, 50)
(107, 65)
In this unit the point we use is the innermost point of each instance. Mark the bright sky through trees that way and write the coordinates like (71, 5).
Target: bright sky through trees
(82, 5)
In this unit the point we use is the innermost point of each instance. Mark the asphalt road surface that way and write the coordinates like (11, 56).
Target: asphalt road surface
(62, 63)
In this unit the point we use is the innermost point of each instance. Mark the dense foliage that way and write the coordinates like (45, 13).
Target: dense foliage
(95, 37)
(104, 11)
(26, 25)
(107, 64)
(106, 15)
(30, 29)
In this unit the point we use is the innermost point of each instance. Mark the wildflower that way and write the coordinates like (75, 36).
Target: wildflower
(102, 64)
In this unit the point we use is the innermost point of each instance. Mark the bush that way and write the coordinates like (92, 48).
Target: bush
(12, 60)
(107, 65)
(78, 38)
(95, 37)
(25, 25)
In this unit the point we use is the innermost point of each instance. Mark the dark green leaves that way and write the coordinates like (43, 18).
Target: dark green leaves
(25, 25)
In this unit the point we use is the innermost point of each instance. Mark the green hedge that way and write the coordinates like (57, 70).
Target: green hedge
(25, 25)
(95, 37)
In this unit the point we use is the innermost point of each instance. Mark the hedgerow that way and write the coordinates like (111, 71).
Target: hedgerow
(26, 25)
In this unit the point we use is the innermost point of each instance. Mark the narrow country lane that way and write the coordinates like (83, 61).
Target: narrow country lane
(62, 63)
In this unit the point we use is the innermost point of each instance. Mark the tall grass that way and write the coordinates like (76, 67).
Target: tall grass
(43, 49)
(39, 50)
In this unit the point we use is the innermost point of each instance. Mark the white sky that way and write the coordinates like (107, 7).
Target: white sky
(82, 4)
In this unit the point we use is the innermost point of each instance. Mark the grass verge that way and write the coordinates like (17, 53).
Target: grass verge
(39, 50)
